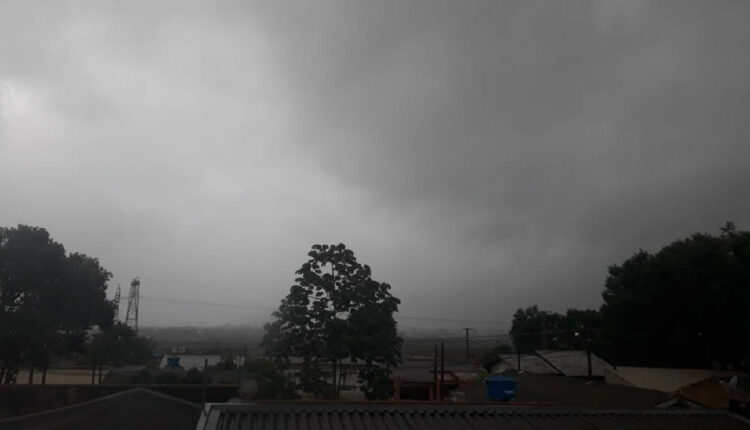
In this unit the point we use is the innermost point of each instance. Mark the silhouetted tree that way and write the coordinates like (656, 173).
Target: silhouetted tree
(336, 312)
(688, 305)
(48, 300)
(533, 329)
(227, 362)
(272, 382)
(119, 345)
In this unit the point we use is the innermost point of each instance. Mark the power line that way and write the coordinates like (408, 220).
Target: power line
(205, 302)
(209, 303)
(398, 316)
(268, 308)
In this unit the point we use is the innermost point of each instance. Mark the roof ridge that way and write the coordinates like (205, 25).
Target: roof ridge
(94, 402)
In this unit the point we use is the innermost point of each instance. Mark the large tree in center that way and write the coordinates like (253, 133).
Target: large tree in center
(334, 313)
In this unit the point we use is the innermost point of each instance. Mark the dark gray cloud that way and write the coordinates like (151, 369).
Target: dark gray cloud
(481, 155)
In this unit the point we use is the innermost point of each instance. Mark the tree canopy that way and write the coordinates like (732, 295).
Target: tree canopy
(119, 345)
(687, 305)
(534, 329)
(336, 312)
(48, 299)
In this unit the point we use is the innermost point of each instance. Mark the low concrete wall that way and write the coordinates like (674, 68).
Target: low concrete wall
(20, 399)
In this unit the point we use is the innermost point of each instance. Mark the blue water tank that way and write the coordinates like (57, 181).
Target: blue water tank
(500, 387)
(173, 362)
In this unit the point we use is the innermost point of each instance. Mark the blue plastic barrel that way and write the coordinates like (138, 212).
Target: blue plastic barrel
(500, 387)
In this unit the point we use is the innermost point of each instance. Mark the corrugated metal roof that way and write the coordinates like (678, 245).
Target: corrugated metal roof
(569, 362)
(572, 392)
(575, 362)
(663, 379)
(457, 417)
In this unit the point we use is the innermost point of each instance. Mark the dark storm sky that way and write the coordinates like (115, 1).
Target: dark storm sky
(479, 155)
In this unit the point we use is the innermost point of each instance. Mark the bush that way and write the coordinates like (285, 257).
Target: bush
(143, 377)
(194, 376)
(272, 382)
(168, 378)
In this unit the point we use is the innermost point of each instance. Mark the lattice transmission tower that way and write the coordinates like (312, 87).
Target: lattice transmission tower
(116, 304)
(133, 299)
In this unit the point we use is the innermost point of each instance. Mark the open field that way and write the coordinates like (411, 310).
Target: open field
(60, 376)
(234, 338)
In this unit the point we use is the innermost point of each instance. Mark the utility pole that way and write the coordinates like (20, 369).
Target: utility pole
(435, 387)
(467, 341)
(544, 331)
(518, 352)
(442, 370)
(133, 299)
(205, 381)
(244, 365)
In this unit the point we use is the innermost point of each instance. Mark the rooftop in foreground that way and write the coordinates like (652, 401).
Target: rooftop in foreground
(137, 408)
(452, 416)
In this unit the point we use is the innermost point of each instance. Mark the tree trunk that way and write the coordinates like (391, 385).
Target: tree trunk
(44, 375)
(31, 375)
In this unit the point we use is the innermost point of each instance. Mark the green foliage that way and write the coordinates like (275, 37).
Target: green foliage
(377, 383)
(273, 384)
(227, 361)
(192, 376)
(527, 328)
(168, 378)
(119, 346)
(688, 305)
(335, 311)
(48, 299)
(195, 376)
(143, 377)
(533, 329)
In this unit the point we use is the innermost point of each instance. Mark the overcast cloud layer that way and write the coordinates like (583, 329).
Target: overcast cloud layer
(479, 155)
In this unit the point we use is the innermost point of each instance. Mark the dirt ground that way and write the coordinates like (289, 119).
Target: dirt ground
(61, 376)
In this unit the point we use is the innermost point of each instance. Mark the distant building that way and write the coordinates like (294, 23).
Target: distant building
(189, 361)
(348, 372)
(415, 379)
(717, 392)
